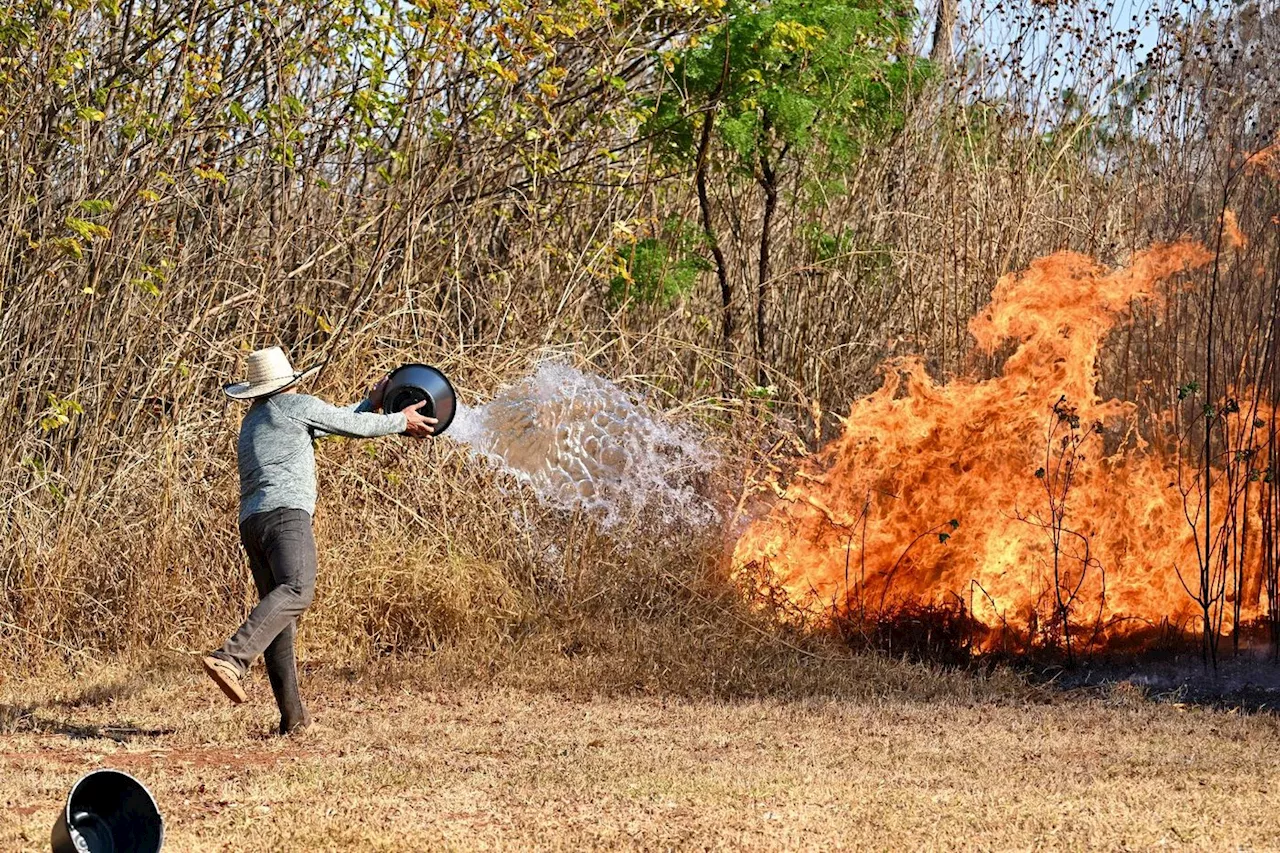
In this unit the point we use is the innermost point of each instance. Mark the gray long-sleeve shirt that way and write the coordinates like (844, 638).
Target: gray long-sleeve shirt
(275, 455)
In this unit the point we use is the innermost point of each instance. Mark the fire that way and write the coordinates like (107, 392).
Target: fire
(1265, 160)
(1231, 230)
(1024, 496)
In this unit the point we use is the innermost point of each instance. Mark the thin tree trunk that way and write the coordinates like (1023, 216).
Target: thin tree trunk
(708, 227)
(769, 183)
(942, 52)
(1210, 644)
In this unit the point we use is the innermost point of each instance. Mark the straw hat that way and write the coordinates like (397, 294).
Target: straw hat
(269, 373)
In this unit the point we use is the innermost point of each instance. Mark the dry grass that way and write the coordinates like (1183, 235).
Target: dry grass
(117, 481)
(886, 757)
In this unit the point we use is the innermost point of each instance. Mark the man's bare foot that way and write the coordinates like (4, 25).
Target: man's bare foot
(225, 675)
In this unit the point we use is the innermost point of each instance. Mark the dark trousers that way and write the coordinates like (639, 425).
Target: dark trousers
(282, 556)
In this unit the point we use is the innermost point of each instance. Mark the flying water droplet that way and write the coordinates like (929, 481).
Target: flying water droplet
(580, 442)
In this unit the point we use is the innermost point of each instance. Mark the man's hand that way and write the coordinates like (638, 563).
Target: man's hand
(420, 425)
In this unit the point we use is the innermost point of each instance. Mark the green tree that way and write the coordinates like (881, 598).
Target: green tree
(778, 84)
(658, 270)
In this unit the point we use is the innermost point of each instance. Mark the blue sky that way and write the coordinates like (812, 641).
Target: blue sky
(1087, 45)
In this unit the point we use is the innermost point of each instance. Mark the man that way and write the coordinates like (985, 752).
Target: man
(277, 499)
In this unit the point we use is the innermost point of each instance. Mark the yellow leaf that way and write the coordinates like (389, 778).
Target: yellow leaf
(88, 230)
(210, 174)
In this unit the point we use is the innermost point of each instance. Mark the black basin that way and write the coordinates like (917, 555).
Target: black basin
(410, 384)
(109, 812)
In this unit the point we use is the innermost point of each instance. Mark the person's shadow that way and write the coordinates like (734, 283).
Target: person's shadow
(43, 717)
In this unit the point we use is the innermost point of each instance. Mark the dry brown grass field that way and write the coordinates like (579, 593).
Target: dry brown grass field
(881, 755)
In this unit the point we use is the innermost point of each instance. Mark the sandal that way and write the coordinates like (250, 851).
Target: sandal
(225, 675)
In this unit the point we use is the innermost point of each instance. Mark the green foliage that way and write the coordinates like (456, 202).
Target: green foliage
(59, 413)
(96, 206)
(152, 279)
(658, 270)
(826, 246)
(803, 76)
(89, 231)
(858, 256)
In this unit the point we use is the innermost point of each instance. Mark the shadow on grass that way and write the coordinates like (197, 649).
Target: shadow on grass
(1161, 664)
(42, 717)
(16, 719)
(1247, 681)
(96, 695)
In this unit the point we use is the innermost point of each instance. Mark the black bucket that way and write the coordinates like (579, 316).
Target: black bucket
(109, 812)
(410, 384)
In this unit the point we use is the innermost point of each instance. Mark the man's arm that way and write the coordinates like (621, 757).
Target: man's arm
(358, 421)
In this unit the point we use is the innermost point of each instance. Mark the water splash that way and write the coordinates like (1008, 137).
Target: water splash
(579, 442)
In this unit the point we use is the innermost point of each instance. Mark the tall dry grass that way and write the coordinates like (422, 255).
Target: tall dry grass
(183, 184)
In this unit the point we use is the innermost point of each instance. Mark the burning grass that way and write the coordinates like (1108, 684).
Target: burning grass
(1027, 507)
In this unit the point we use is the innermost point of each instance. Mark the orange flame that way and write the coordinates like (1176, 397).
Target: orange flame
(1265, 160)
(1231, 230)
(1024, 496)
